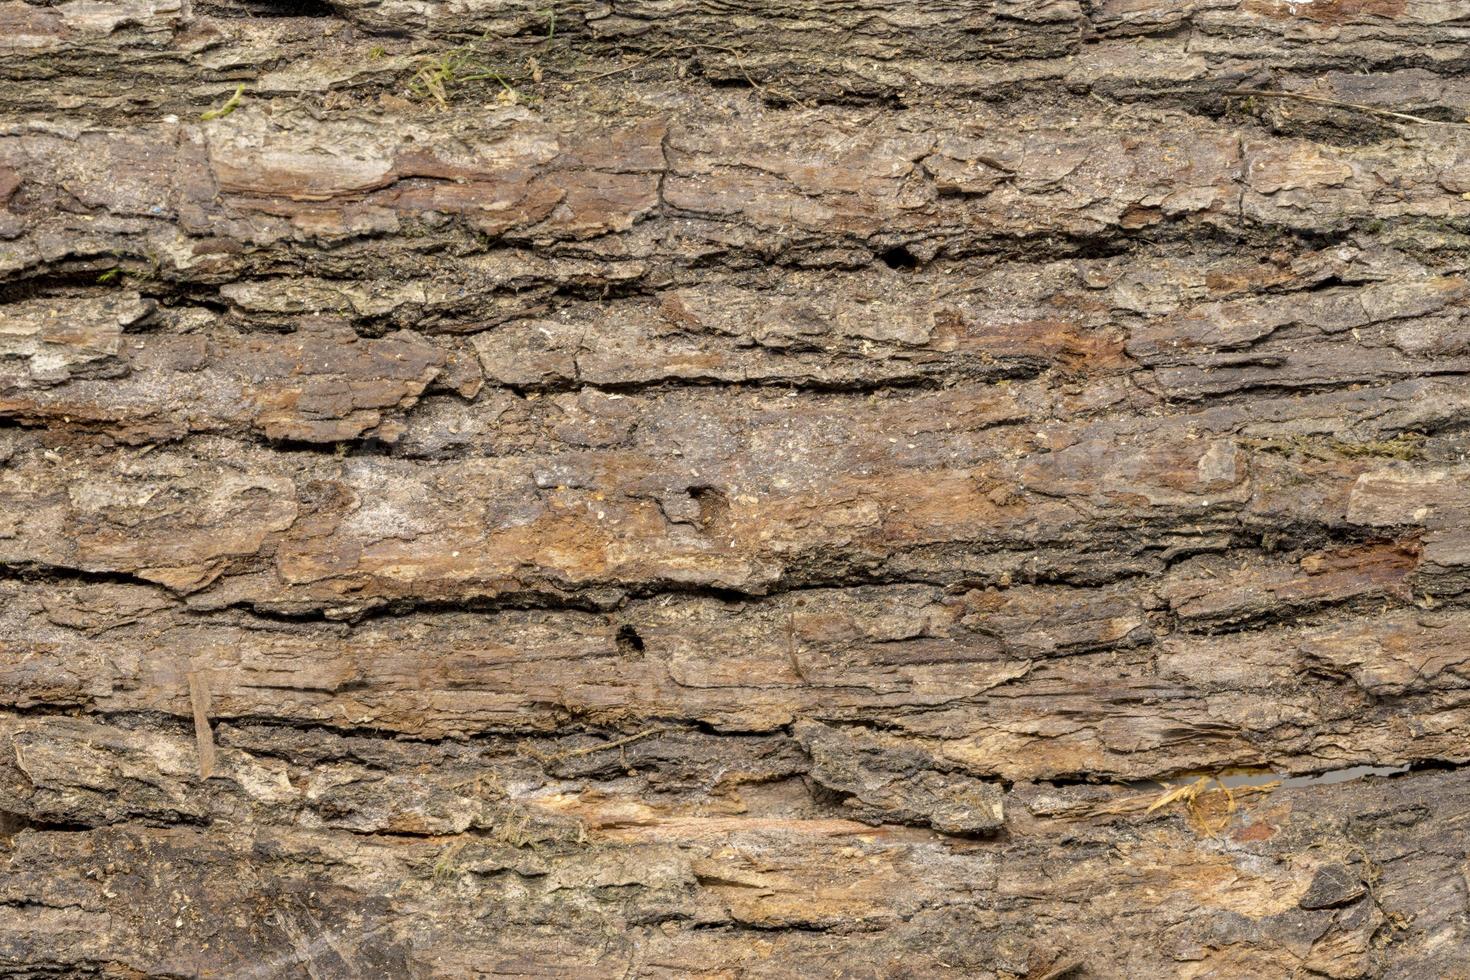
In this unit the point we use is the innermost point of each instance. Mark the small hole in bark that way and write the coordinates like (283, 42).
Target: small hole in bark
(713, 505)
(629, 642)
(899, 258)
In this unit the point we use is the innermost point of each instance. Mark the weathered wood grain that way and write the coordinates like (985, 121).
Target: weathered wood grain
(683, 489)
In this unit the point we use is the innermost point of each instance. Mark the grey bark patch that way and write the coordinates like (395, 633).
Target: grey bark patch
(1332, 886)
(886, 780)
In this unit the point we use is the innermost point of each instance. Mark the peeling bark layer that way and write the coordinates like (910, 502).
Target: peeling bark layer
(656, 490)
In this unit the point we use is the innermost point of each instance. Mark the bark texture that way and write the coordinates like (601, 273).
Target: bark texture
(668, 488)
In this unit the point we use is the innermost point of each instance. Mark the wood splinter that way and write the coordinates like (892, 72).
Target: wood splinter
(203, 734)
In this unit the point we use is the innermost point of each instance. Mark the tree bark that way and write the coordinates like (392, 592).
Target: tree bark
(680, 489)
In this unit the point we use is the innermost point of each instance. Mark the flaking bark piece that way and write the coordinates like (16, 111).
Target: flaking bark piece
(889, 782)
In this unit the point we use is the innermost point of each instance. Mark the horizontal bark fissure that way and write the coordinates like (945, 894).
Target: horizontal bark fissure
(682, 488)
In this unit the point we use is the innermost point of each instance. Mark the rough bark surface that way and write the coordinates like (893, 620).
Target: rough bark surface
(668, 488)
